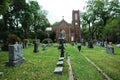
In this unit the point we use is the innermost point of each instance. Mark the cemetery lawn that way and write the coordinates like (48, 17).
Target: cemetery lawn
(40, 66)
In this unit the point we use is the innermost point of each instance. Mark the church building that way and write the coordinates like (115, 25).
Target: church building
(72, 31)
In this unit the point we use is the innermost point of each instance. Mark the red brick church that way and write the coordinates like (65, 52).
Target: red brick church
(72, 31)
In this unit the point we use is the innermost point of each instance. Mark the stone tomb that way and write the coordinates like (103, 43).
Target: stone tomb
(15, 55)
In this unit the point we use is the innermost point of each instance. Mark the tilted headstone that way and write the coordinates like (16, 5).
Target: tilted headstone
(15, 55)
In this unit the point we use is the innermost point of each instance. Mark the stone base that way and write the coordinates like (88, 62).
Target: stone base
(58, 70)
(16, 62)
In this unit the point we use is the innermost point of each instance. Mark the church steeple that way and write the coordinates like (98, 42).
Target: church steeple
(75, 18)
(76, 25)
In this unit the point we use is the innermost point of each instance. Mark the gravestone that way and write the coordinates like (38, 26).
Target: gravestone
(43, 46)
(110, 49)
(90, 44)
(79, 47)
(61, 42)
(58, 70)
(105, 43)
(15, 55)
(118, 45)
(36, 43)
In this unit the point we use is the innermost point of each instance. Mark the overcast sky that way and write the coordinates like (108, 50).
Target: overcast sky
(58, 8)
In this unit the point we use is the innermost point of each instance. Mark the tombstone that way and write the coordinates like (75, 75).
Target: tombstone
(110, 49)
(61, 42)
(79, 47)
(25, 45)
(105, 44)
(58, 70)
(43, 46)
(90, 44)
(118, 45)
(83, 42)
(15, 55)
(36, 43)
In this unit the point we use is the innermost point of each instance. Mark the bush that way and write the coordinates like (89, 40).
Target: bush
(45, 41)
(12, 39)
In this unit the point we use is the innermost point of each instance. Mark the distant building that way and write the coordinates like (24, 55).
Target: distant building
(72, 31)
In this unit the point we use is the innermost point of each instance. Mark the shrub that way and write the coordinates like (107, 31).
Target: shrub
(25, 40)
(45, 41)
(12, 39)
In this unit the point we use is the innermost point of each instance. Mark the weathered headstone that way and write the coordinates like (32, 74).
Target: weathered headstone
(36, 43)
(15, 55)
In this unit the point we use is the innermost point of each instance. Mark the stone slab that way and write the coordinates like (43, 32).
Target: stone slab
(61, 58)
(58, 70)
(60, 63)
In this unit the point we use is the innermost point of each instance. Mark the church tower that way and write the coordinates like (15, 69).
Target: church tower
(76, 25)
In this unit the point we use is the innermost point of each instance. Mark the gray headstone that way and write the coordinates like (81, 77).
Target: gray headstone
(58, 70)
(110, 49)
(43, 46)
(36, 46)
(15, 55)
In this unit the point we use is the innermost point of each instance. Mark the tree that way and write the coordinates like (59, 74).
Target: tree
(4, 6)
(97, 15)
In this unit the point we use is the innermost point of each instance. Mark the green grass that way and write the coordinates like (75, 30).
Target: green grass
(82, 69)
(107, 62)
(40, 66)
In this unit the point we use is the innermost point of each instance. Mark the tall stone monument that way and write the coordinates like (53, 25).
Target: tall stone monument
(61, 41)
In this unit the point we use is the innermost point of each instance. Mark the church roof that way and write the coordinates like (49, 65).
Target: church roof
(62, 21)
